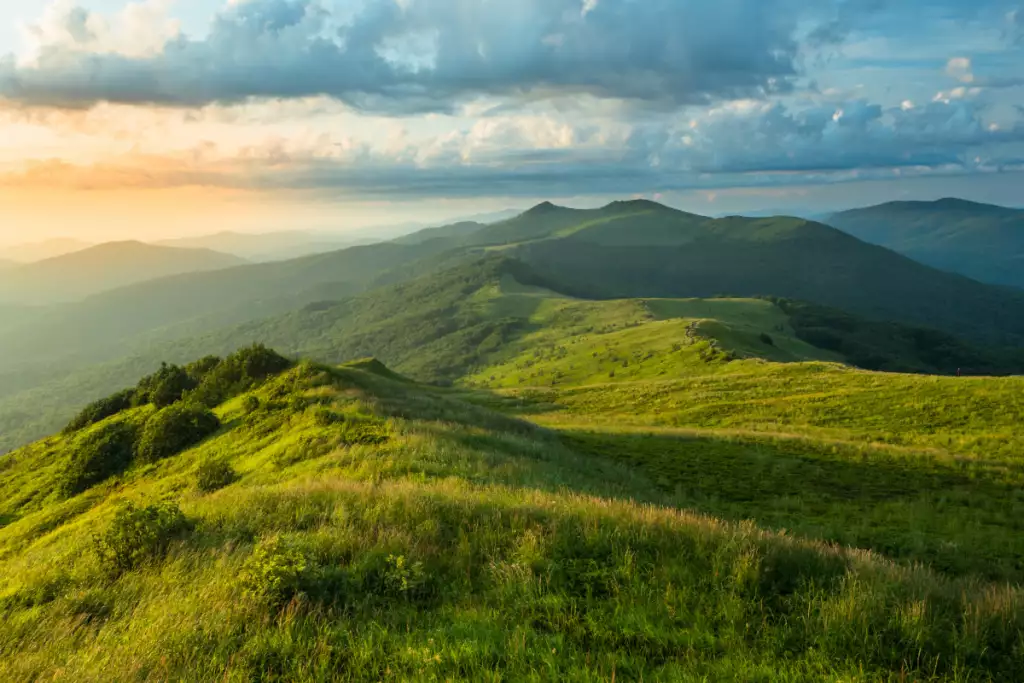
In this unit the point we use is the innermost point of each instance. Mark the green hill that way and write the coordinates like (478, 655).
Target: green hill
(758, 521)
(77, 275)
(626, 250)
(980, 241)
(447, 324)
(671, 254)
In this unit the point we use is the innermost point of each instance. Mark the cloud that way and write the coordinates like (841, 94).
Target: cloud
(960, 69)
(422, 55)
(855, 136)
(741, 144)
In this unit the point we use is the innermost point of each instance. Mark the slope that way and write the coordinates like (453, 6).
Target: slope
(75, 276)
(664, 253)
(346, 524)
(446, 325)
(270, 246)
(980, 241)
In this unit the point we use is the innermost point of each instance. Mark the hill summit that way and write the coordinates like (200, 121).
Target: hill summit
(103, 267)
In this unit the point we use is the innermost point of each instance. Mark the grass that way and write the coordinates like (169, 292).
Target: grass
(376, 529)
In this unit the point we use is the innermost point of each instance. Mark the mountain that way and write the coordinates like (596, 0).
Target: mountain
(643, 249)
(272, 246)
(445, 325)
(456, 231)
(4, 265)
(105, 267)
(627, 250)
(30, 252)
(662, 514)
(981, 241)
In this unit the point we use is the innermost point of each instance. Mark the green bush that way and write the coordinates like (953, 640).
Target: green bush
(277, 571)
(175, 429)
(250, 404)
(100, 410)
(164, 387)
(137, 535)
(199, 369)
(96, 456)
(214, 474)
(238, 373)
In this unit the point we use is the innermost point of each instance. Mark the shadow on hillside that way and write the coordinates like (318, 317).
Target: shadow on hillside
(912, 510)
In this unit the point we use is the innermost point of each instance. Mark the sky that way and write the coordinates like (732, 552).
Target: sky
(158, 118)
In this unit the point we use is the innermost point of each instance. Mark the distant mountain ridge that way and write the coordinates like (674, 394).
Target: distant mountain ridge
(981, 241)
(108, 266)
(270, 246)
(30, 252)
(625, 250)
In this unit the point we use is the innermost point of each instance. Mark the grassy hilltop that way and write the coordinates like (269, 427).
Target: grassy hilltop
(532, 480)
(695, 516)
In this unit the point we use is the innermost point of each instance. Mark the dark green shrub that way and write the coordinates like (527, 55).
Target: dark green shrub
(96, 456)
(137, 535)
(164, 387)
(175, 429)
(238, 373)
(277, 571)
(199, 369)
(100, 410)
(766, 339)
(214, 474)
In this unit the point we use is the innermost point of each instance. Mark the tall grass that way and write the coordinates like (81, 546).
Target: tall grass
(461, 544)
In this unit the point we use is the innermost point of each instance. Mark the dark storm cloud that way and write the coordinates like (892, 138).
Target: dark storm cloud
(427, 55)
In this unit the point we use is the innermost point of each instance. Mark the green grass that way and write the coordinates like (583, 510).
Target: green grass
(411, 534)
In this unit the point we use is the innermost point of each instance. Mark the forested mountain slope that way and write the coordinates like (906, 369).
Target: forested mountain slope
(981, 241)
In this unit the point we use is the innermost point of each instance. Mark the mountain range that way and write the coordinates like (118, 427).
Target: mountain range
(77, 275)
(272, 246)
(980, 241)
(31, 252)
(321, 305)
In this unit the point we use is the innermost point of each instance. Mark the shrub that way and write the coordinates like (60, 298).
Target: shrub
(239, 372)
(199, 369)
(100, 410)
(137, 535)
(766, 339)
(214, 474)
(97, 456)
(164, 387)
(276, 571)
(175, 429)
(250, 404)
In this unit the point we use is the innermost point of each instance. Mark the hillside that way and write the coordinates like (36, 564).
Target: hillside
(646, 250)
(75, 276)
(639, 250)
(345, 523)
(270, 246)
(980, 241)
(30, 252)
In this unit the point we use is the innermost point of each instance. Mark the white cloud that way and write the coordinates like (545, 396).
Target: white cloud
(960, 69)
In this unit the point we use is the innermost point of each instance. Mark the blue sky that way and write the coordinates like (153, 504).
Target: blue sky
(387, 110)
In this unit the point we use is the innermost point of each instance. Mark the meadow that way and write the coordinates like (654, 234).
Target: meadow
(345, 523)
